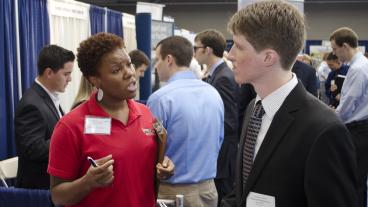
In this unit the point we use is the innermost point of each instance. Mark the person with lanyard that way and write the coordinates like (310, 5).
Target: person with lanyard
(353, 109)
(37, 113)
(289, 153)
(111, 128)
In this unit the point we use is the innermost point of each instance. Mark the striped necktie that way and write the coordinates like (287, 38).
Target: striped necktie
(251, 135)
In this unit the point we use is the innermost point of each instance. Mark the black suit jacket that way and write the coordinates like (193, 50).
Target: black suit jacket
(35, 118)
(307, 75)
(307, 158)
(223, 80)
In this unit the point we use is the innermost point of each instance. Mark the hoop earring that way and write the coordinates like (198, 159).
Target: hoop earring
(99, 94)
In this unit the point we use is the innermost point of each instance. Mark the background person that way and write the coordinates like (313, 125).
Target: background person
(353, 108)
(209, 48)
(37, 113)
(193, 114)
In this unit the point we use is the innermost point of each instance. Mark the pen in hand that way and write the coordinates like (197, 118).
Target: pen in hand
(92, 161)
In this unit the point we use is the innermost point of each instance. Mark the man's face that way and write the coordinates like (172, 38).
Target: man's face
(161, 66)
(139, 72)
(60, 79)
(246, 61)
(200, 52)
(340, 52)
(333, 64)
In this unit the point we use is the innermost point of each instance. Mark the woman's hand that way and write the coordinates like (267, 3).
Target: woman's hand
(166, 169)
(103, 174)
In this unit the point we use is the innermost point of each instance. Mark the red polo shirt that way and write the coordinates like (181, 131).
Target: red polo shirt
(132, 146)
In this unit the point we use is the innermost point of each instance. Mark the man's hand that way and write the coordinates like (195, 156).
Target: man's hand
(166, 169)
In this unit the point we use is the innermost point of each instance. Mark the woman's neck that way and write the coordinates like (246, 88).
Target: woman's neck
(116, 109)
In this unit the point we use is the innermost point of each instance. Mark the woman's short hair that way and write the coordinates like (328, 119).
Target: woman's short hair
(91, 51)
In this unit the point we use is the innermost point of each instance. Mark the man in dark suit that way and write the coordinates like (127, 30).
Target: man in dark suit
(307, 75)
(37, 113)
(209, 49)
(294, 151)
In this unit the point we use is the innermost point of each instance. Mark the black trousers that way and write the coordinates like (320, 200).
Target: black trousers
(224, 186)
(359, 132)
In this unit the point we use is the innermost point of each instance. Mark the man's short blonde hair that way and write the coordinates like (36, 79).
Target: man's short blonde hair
(271, 24)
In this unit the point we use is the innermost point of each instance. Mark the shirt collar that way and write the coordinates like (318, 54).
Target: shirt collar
(274, 100)
(355, 57)
(53, 95)
(186, 74)
(95, 109)
(214, 67)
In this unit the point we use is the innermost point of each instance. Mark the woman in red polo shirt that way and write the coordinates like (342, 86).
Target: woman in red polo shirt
(112, 129)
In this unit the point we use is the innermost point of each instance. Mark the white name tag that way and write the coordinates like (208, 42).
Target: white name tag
(97, 125)
(260, 200)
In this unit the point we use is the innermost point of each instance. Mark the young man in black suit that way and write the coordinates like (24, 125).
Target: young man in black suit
(209, 49)
(37, 113)
(293, 151)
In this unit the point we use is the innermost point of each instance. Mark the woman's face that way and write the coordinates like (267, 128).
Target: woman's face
(116, 76)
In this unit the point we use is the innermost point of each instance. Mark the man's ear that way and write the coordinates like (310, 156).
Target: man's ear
(208, 50)
(169, 59)
(345, 45)
(270, 57)
(48, 72)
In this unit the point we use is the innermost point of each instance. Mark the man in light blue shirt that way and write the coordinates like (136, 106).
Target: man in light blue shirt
(353, 108)
(193, 114)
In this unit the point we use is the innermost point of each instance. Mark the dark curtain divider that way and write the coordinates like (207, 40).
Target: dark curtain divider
(8, 78)
(114, 22)
(34, 31)
(143, 23)
(97, 17)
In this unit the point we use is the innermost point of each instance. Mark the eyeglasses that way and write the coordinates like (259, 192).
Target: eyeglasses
(196, 48)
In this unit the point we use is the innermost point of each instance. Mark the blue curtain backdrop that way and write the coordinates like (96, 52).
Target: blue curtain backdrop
(143, 23)
(34, 31)
(97, 17)
(114, 22)
(8, 78)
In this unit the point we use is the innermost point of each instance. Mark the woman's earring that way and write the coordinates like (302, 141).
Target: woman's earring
(99, 94)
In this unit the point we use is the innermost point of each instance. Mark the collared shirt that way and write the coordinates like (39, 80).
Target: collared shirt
(214, 67)
(354, 92)
(193, 114)
(271, 104)
(54, 97)
(132, 146)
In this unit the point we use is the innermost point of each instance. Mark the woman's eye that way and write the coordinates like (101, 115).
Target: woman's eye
(116, 70)
(129, 65)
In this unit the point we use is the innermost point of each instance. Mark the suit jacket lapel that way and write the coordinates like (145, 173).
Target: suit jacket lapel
(61, 111)
(276, 132)
(217, 71)
(46, 98)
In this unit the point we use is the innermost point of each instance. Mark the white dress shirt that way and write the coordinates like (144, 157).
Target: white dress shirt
(53, 95)
(271, 104)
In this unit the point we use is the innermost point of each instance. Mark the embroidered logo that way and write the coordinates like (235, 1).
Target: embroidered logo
(148, 132)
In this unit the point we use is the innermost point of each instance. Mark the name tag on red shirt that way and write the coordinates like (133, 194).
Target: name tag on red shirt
(97, 125)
